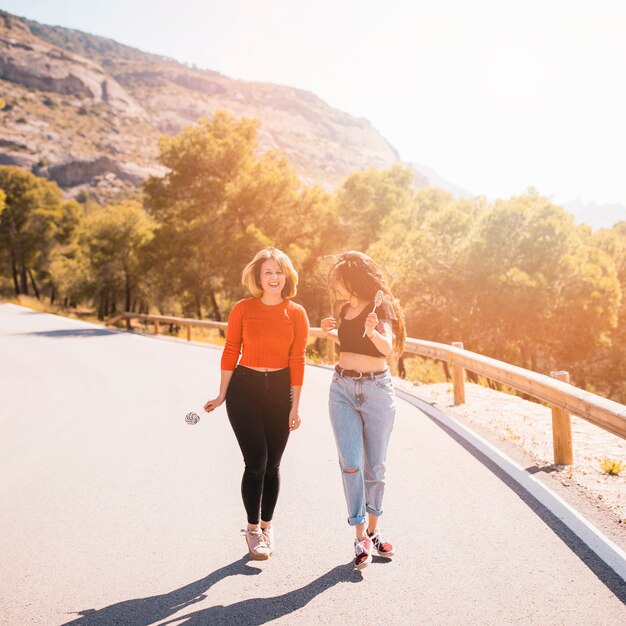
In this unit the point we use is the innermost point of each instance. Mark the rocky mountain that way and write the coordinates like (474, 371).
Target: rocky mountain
(425, 173)
(87, 112)
(596, 215)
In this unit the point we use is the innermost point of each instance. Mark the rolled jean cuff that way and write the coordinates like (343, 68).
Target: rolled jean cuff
(355, 521)
(371, 511)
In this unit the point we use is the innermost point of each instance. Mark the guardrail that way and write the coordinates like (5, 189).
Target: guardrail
(565, 399)
(157, 320)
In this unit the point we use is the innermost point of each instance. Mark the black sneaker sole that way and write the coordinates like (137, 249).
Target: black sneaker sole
(385, 555)
(364, 564)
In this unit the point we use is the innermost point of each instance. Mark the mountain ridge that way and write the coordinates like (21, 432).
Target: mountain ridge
(87, 112)
(596, 214)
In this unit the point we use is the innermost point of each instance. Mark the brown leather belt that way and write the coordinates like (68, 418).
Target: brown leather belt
(360, 375)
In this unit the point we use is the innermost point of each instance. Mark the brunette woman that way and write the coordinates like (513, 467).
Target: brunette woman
(362, 401)
(262, 388)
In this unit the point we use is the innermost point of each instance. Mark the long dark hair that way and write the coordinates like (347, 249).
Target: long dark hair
(362, 277)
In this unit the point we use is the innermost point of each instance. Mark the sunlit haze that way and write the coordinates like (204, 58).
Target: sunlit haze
(495, 96)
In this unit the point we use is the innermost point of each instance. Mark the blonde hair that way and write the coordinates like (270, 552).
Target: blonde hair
(251, 275)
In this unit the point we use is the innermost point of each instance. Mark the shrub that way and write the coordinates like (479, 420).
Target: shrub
(612, 467)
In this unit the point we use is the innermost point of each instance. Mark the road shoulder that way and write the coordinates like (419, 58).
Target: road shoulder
(522, 431)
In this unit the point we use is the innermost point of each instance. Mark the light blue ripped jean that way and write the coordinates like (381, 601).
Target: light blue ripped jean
(362, 413)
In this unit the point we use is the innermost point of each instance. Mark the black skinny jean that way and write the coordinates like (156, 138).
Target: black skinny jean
(258, 405)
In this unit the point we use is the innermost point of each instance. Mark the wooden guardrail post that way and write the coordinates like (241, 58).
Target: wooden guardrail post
(458, 378)
(188, 332)
(156, 327)
(114, 320)
(562, 429)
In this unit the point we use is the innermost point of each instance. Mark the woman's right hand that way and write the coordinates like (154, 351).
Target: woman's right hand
(328, 324)
(213, 404)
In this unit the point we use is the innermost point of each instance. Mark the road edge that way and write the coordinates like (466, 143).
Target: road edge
(609, 552)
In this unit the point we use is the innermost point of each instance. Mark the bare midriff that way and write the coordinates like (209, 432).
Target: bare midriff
(361, 362)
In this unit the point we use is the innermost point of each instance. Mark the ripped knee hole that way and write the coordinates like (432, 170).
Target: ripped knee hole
(350, 470)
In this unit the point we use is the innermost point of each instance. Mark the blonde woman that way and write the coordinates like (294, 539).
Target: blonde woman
(261, 381)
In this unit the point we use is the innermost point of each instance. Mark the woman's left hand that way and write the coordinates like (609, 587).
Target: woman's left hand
(294, 420)
(371, 321)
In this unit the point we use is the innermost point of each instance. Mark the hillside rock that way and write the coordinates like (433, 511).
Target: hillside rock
(37, 65)
(82, 109)
(80, 172)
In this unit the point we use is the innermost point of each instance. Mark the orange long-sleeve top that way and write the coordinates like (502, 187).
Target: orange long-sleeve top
(271, 336)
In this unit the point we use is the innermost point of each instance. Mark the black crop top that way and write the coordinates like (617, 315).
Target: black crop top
(350, 332)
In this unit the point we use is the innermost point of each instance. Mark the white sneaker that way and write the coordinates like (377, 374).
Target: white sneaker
(362, 553)
(268, 535)
(257, 548)
(383, 547)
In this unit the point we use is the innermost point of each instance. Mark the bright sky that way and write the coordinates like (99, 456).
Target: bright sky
(494, 95)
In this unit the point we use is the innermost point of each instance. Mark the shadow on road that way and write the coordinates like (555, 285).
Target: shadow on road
(250, 612)
(606, 574)
(546, 469)
(73, 332)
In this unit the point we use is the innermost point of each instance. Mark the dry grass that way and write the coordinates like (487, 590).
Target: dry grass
(83, 313)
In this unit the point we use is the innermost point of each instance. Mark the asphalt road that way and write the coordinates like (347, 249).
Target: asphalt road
(114, 511)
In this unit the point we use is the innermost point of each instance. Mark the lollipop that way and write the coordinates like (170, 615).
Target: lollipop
(378, 300)
(192, 418)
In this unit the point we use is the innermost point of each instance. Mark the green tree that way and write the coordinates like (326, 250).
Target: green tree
(608, 369)
(516, 280)
(422, 248)
(219, 203)
(544, 297)
(70, 273)
(114, 241)
(35, 219)
(513, 264)
(366, 198)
